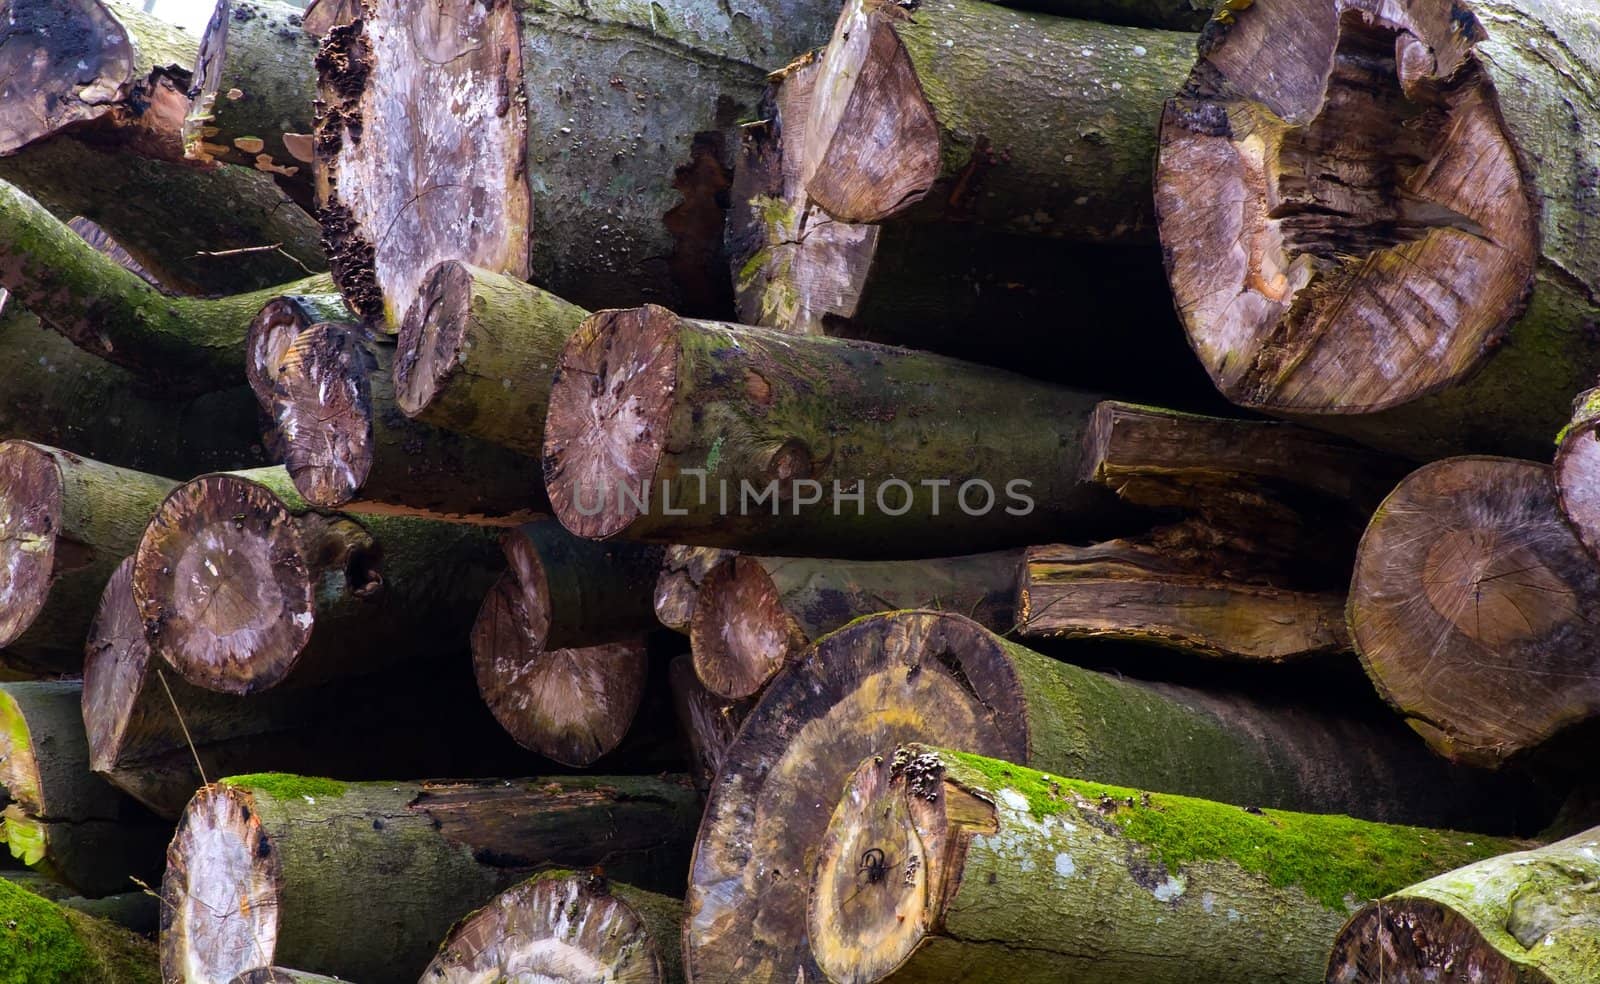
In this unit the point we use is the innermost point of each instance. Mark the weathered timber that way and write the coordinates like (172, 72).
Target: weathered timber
(263, 869)
(101, 240)
(322, 16)
(275, 327)
(186, 344)
(1577, 470)
(588, 149)
(683, 571)
(756, 613)
(242, 585)
(45, 943)
(565, 927)
(707, 721)
(60, 817)
(1427, 291)
(65, 524)
(1525, 917)
(670, 430)
(975, 114)
(135, 910)
(1473, 606)
(284, 975)
(942, 866)
(950, 681)
(345, 439)
(477, 352)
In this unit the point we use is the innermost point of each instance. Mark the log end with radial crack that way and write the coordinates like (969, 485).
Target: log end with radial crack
(279, 322)
(322, 403)
(432, 336)
(741, 634)
(32, 494)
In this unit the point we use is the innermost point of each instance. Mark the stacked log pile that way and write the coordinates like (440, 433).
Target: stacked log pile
(800, 491)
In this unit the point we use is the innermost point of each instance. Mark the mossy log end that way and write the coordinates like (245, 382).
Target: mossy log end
(756, 613)
(1529, 917)
(950, 681)
(347, 441)
(970, 112)
(1473, 606)
(45, 943)
(942, 866)
(242, 585)
(477, 352)
(65, 524)
(707, 721)
(275, 327)
(565, 927)
(683, 571)
(59, 817)
(670, 430)
(1428, 292)
(1577, 470)
(263, 869)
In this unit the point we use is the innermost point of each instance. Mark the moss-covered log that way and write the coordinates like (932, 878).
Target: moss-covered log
(477, 352)
(1472, 608)
(565, 927)
(756, 613)
(325, 875)
(1428, 291)
(242, 585)
(587, 147)
(670, 430)
(44, 943)
(65, 524)
(135, 909)
(275, 327)
(972, 113)
(707, 721)
(345, 439)
(942, 866)
(60, 817)
(1526, 917)
(947, 680)
(683, 570)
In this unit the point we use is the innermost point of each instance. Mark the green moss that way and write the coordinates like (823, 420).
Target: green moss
(41, 943)
(281, 785)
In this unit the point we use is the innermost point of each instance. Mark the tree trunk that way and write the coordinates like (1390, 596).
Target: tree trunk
(346, 440)
(43, 943)
(476, 354)
(185, 344)
(65, 524)
(1470, 606)
(975, 114)
(669, 430)
(683, 570)
(263, 868)
(950, 681)
(275, 327)
(59, 816)
(565, 928)
(1526, 917)
(242, 586)
(1577, 470)
(708, 722)
(941, 866)
(755, 614)
(1427, 292)
(586, 150)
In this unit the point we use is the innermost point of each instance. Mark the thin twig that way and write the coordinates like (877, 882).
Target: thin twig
(268, 248)
(190, 741)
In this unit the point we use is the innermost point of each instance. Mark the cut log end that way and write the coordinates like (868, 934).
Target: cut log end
(219, 896)
(322, 403)
(740, 633)
(608, 418)
(1577, 472)
(431, 337)
(30, 518)
(1417, 941)
(115, 658)
(271, 332)
(1340, 280)
(557, 928)
(683, 570)
(65, 62)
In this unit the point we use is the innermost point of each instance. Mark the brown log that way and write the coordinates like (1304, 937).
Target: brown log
(242, 585)
(1577, 470)
(708, 722)
(683, 570)
(949, 680)
(275, 327)
(362, 880)
(1427, 291)
(1473, 606)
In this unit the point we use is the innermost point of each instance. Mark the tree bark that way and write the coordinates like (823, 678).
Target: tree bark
(588, 150)
(50, 944)
(683, 570)
(346, 440)
(476, 354)
(755, 614)
(975, 114)
(60, 817)
(708, 722)
(275, 327)
(243, 586)
(566, 928)
(262, 868)
(941, 866)
(1428, 292)
(1471, 607)
(1518, 917)
(65, 524)
(657, 421)
(948, 680)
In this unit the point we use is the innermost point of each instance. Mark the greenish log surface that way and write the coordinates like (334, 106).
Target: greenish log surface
(41, 943)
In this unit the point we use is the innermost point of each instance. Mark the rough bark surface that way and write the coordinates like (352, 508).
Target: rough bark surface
(708, 722)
